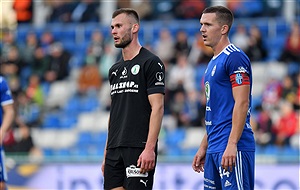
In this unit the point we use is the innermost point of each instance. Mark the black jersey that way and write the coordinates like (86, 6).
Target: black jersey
(131, 82)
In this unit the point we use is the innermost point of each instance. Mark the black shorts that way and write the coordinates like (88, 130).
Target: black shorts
(120, 170)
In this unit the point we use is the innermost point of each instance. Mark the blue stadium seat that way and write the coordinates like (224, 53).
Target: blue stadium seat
(275, 46)
(99, 137)
(51, 120)
(72, 106)
(68, 120)
(77, 61)
(173, 151)
(61, 152)
(47, 152)
(174, 137)
(84, 138)
(271, 150)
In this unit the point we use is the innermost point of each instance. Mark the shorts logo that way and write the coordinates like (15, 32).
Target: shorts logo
(133, 171)
(135, 69)
(227, 183)
(144, 182)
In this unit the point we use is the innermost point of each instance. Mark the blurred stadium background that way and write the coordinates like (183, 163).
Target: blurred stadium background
(56, 54)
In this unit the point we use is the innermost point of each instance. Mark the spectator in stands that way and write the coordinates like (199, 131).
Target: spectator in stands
(263, 127)
(191, 111)
(40, 63)
(46, 40)
(199, 54)
(241, 8)
(24, 11)
(58, 68)
(164, 46)
(181, 76)
(89, 77)
(34, 90)
(290, 53)
(7, 115)
(181, 44)
(297, 99)
(273, 8)
(177, 105)
(143, 7)
(163, 9)
(256, 50)
(60, 10)
(85, 11)
(96, 45)
(27, 110)
(289, 90)
(14, 66)
(241, 38)
(287, 124)
(189, 9)
(19, 139)
(271, 94)
(8, 16)
(15, 85)
(106, 60)
(8, 41)
(28, 49)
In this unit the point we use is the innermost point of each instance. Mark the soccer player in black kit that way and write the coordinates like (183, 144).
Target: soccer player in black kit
(137, 108)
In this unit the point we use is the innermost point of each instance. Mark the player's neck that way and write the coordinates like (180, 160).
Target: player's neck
(220, 46)
(131, 50)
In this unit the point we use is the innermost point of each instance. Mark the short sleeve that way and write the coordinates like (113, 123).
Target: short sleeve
(155, 76)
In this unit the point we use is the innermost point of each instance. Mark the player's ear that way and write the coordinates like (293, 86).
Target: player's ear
(135, 28)
(224, 29)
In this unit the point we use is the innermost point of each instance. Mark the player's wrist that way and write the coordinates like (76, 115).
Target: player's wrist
(231, 142)
(150, 147)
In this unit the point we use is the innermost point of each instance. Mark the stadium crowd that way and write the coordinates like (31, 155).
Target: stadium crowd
(34, 63)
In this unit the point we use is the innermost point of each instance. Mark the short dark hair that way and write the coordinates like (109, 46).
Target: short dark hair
(224, 15)
(127, 11)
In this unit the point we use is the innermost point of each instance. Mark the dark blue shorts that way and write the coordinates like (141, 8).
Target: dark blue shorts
(241, 177)
(120, 170)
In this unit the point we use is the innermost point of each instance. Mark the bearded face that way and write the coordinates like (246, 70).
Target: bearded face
(125, 40)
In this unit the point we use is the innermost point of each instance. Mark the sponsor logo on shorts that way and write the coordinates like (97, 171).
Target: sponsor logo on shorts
(144, 182)
(227, 183)
(133, 171)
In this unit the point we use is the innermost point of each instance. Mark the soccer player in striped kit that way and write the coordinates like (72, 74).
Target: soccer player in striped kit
(227, 152)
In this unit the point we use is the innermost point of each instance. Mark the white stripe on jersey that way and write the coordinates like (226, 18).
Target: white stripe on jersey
(239, 171)
(230, 48)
